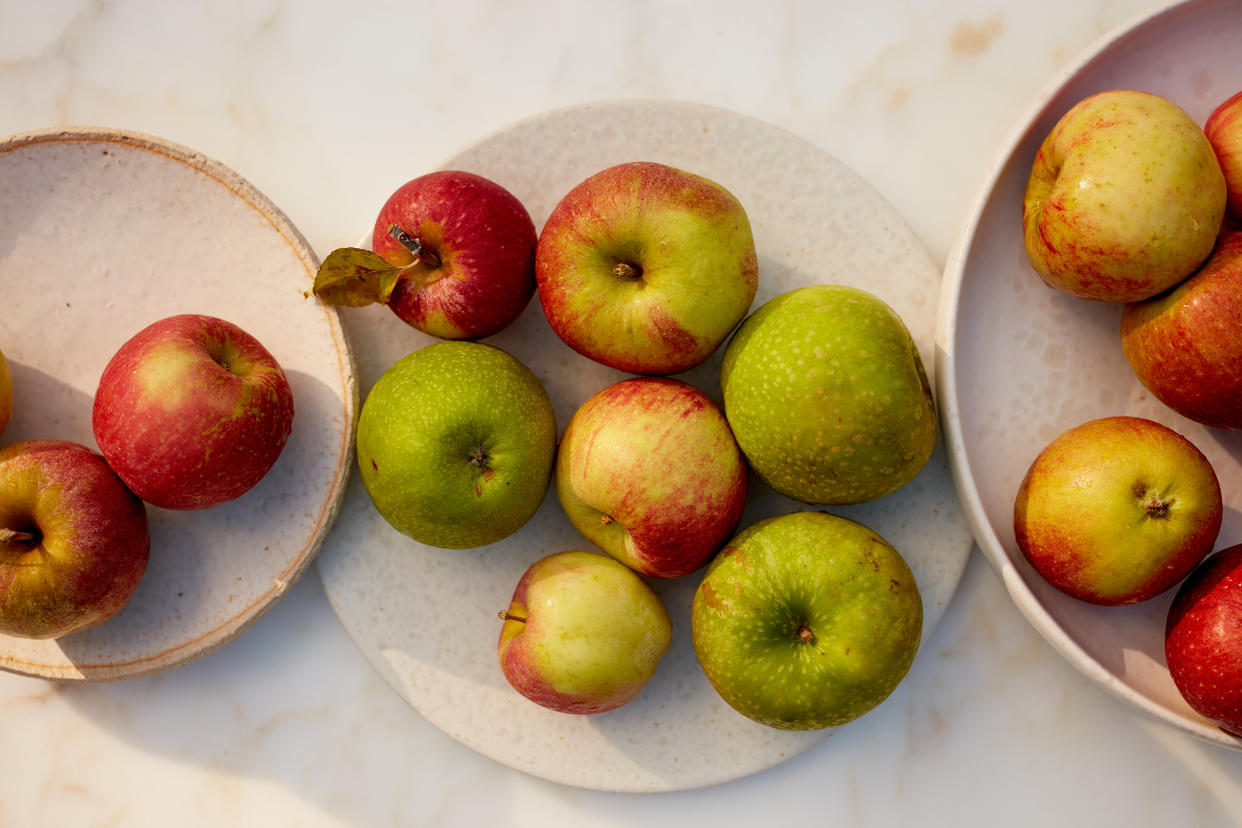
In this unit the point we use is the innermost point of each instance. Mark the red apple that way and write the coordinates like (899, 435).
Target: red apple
(73, 540)
(1224, 130)
(1117, 510)
(1185, 345)
(649, 471)
(192, 412)
(1203, 639)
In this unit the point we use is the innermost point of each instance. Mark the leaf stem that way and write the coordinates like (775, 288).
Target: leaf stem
(414, 245)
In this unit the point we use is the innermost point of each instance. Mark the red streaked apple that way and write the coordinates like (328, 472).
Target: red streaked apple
(1203, 639)
(1124, 199)
(649, 471)
(646, 268)
(1224, 130)
(73, 539)
(192, 411)
(1117, 510)
(6, 392)
(583, 634)
(1185, 345)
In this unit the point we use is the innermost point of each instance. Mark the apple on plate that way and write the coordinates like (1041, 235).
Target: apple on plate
(827, 396)
(1124, 199)
(646, 268)
(1224, 130)
(192, 411)
(806, 620)
(1185, 345)
(456, 443)
(6, 392)
(1203, 639)
(583, 634)
(1117, 510)
(452, 254)
(73, 539)
(649, 471)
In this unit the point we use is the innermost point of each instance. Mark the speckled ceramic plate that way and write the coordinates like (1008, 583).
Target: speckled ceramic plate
(101, 233)
(1019, 363)
(427, 618)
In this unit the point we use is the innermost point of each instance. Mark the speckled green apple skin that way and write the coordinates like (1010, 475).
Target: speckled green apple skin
(455, 444)
(806, 621)
(584, 634)
(1124, 199)
(6, 392)
(827, 396)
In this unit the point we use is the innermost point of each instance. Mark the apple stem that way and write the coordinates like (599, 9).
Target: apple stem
(605, 519)
(14, 536)
(414, 245)
(624, 270)
(805, 635)
(508, 616)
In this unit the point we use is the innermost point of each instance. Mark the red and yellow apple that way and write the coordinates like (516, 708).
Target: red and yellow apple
(1224, 130)
(1117, 510)
(649, 471)
(1185, 345)
(192, 411)
(73, 539)
(646, 268)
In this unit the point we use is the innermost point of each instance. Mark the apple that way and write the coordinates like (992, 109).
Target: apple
(1224, 130)
(646, 268)
(1124, 199)
(649, 471)
(583, 634)
(455, 444)
(806, 620)
(1203, 639)
(191, 412)
(6, 392)
(826, 394)
(1185, 345)
(1117, 510)
(73, 539)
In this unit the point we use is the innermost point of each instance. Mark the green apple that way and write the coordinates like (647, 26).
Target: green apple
(6, 392)
(455, 444)
(646, 268)
(806, 620)
(583, 634)
(1124, 199)
(1117, 510)
(826, 394)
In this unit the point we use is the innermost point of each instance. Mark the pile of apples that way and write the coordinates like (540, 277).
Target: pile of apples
(1130, 201)
(189, 413)
(648, 269)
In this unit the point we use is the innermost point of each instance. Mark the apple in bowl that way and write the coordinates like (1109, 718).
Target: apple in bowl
(1224, 129)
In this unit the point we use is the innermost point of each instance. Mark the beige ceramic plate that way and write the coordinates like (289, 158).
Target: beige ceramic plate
(427, 618)
(1019, 363)
(102, 233)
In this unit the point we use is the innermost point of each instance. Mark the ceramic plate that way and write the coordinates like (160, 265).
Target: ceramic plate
(1019, 363)
(427, 618)
(101, 233)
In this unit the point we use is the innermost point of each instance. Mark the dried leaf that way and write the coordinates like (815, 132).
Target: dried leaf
(354, 277)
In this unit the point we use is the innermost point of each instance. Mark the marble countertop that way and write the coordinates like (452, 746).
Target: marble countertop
(326, 108)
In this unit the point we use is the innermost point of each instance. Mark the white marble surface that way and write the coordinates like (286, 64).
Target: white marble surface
(326, 108)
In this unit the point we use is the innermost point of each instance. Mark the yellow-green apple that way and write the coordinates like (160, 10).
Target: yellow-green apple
(826, 394)
(6, 392)
(192, 411)
(455, 444)
(1117, 510)
(646, 268)
(1224, 130)
(806, 621)
(583, 634)
(1185, 345)
(73, 539)
(1203, 639)
(1124, 199)
(452, 253)
(649, 471)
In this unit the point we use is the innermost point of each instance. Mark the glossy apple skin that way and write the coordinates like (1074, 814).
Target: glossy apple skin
(688, 241)
(1203, 639)
(182, 430)
(90, 545)
(1124, 199)
(485, 242)
(649, 471)
(1117, 510)
(1224, 130)
(591, 636)
(6, 392)
(1185, 345)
